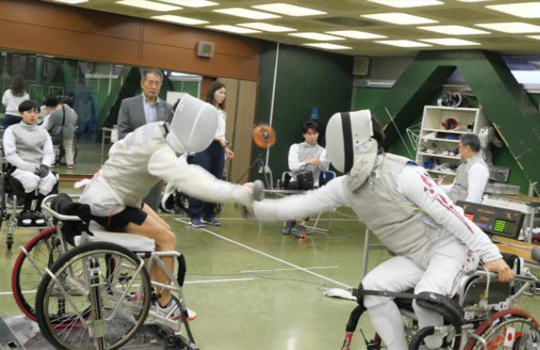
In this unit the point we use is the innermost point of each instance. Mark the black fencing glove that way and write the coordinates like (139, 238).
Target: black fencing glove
(42, 171)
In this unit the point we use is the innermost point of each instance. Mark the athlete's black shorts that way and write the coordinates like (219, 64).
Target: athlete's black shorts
(119, 221)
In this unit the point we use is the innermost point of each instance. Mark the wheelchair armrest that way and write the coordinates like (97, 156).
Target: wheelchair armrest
(46, 205)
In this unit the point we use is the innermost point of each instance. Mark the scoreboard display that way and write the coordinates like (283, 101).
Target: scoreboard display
(494, 220)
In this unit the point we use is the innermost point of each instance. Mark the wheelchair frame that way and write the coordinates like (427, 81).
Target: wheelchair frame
(60, 281)
(9, 205)
(480, 319)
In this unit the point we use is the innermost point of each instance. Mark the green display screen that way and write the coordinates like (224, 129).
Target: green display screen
(503, 226)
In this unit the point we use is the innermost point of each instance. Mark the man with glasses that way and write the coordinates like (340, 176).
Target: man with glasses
(141, 110)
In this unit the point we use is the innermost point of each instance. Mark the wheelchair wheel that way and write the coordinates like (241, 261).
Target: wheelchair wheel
(36, 256)
(99, 298)
(505, 330)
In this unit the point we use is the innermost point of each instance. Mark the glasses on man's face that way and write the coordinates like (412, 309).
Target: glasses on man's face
(153, 83)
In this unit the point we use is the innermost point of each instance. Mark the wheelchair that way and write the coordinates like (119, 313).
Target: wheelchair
(483, 315)
(11, 196)
(98, 294)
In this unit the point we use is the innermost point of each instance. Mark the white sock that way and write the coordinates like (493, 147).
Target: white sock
(386, 319)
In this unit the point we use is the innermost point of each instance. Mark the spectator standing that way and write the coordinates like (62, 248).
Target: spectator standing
(212, 159)
(61, 124)
(144, 109)
(11, 100)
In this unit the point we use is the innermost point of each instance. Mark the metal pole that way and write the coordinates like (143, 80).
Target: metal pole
(272, 103)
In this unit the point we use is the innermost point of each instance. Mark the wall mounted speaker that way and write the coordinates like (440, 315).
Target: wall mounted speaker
(205, 49)
(361, 65)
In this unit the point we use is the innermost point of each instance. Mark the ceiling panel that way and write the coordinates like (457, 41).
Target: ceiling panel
(345, 15)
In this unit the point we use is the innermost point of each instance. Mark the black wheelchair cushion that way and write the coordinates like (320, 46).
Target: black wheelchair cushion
(63, 204)
(15, 187)
(448, 308)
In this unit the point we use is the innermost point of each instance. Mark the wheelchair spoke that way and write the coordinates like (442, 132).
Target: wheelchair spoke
(105, 276)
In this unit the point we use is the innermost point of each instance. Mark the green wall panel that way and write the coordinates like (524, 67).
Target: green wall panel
(305, 79)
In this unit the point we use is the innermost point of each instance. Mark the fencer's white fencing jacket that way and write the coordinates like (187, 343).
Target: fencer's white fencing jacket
(143, 158)
(399, 203)
(28, 146)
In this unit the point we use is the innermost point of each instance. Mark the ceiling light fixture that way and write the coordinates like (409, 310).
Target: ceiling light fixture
(289, 10)
(240, 12)
(399, 18)
(317, 36)
(451, 42)
(454, 30)
(403, 43)
(72, 2)
(329, 46)
(149, 5)
(233, 29)
(408, 3)
(522, 9)
(511, 27)
(179, 19)
(356, 34)
(265, 27)
(191, 3)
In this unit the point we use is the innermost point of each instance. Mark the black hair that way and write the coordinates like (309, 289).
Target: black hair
(18, 87)
(378, 133)
(151, 71)
(28, 105)
(215, 86)
(51, 101)
(310, 124)
(471, 140)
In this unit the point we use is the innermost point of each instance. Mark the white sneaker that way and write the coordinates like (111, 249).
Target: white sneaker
(173, 311)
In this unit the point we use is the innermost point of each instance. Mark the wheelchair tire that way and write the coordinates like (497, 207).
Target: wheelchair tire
(41, 253)
(67, 297)
(489, 329)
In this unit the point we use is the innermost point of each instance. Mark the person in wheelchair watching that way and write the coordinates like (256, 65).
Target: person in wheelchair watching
(29, 149)
(433, 243)
(143, 158)
(305, 157)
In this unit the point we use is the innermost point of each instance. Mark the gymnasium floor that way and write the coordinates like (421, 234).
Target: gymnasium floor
(254, 288)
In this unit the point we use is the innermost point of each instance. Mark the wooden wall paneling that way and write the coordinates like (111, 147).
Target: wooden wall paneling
(205, 85)
(78, 33)
(245, 118)
(164, 34)
(66, 43)
(186, 60)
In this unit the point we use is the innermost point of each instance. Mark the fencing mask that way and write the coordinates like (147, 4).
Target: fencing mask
(193, 126)
(349, 145)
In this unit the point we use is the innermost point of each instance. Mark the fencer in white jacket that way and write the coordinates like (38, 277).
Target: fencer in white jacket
(433, 242)
(146, 156)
